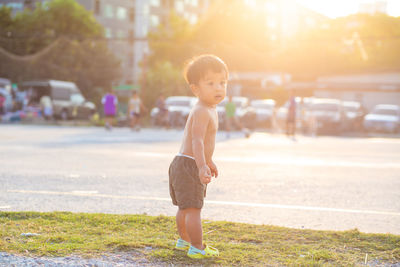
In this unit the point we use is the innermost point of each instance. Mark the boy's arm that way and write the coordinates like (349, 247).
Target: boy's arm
(200, 122)
(213, 168)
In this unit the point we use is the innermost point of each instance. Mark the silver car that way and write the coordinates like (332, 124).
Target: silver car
(384, 118)
(264, 109)
(178, 107)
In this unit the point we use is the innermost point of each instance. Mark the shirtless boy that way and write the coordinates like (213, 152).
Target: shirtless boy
(192, 169)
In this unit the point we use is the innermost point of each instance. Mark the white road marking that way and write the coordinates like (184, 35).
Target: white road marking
(5, 207)
(85, 192)
(294, 161)
(215, 202)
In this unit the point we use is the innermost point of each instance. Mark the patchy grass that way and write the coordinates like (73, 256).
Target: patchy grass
(64, 233)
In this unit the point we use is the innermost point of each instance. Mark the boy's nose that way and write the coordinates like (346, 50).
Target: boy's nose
(220, 87)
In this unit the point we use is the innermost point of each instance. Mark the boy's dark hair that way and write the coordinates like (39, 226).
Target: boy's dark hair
(197, 67)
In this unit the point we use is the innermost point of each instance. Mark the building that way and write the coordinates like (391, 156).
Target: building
(374, 7)
(285, 18)
(118, 20)
(127, 24)
(149, 14)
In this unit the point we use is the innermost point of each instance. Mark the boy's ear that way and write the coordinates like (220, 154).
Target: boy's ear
(194, 88)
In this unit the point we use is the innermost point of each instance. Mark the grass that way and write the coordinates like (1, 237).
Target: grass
(65, 233)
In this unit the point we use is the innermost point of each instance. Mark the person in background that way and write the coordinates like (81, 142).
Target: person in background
(2, 101)
(110, 102)
(135, 111)
(162, 111)
(291, 116)
(231, 119)
(46, 107)
(230, 111)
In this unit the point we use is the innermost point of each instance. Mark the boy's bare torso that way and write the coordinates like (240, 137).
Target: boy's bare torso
(210, 132)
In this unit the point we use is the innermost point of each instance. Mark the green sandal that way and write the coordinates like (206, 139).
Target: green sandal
(208, 252)
(182, 244)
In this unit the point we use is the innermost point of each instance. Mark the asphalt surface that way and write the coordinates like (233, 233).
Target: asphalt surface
(329, 183)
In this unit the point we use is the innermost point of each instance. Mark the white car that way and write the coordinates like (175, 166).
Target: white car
(264, 109)
(328, 115)
(383, 118)
(354, 114)
(179, 108)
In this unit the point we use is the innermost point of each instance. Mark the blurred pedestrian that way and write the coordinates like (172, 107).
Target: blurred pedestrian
(136, 108)
(291, 116)
(230, 116)
(2, 108)
(110, 102)
(46, 107)
(162, 115)
(274, 121)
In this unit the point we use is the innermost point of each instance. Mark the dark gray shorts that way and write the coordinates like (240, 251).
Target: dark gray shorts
(185, 187)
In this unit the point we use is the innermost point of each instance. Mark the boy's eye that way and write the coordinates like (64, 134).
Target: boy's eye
(210, 83)
(223, 83)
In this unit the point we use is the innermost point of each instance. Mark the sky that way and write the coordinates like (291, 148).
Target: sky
(339, 8)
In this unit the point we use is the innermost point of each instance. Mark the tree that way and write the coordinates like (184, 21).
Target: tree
(164, 77)
(57, 40)
(170, 47)
(352, 44)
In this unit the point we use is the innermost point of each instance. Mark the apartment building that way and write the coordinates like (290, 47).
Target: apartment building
(127, 24)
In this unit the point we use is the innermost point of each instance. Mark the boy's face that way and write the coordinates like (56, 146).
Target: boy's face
(211, 89)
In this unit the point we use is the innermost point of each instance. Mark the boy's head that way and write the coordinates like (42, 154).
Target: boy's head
(207, 76)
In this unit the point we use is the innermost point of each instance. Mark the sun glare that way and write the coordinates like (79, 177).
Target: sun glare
(329, 8)
(339, 8)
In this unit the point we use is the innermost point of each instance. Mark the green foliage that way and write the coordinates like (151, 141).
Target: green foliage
(171, 42)
(238, 34)
(163, 77)
(352, 44)
(57, 40)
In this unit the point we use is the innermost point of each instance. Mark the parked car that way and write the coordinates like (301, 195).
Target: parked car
(264, 109)
(67, 100)
(354, 115)
(328, 115)
(179, 108)
(245, 114)
(383, 118)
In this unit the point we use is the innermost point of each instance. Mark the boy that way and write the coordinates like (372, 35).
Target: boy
(192, 169)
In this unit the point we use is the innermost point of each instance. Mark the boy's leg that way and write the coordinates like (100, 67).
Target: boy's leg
(133, 121)
(193, 227)
(181, 224)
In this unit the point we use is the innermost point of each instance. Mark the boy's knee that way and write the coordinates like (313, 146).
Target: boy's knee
(191, 210)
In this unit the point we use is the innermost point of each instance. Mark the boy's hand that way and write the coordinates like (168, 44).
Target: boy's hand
(205, 174)
(213, 168)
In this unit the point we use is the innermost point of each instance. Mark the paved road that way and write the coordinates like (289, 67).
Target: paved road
(316, 183)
